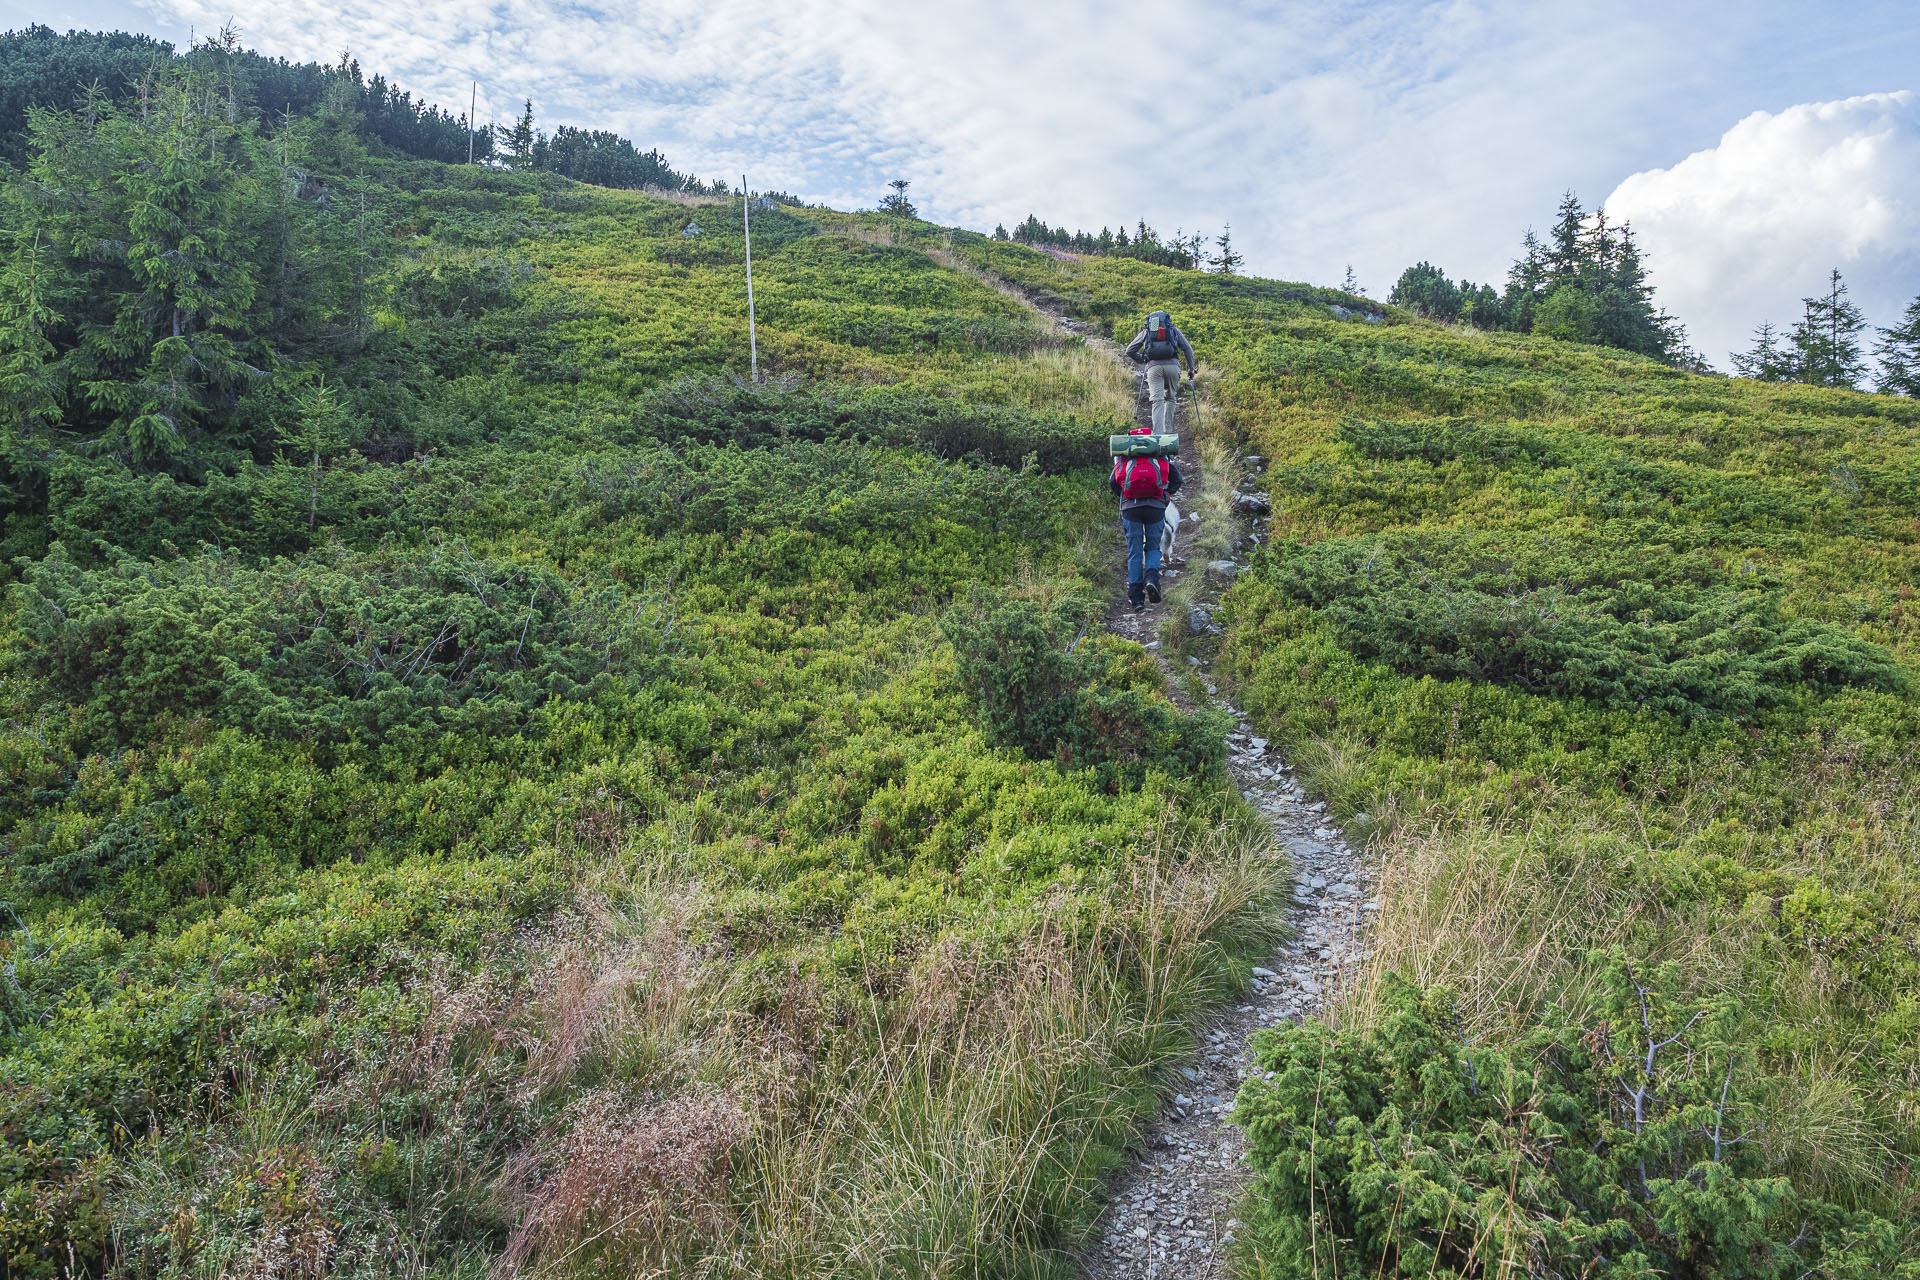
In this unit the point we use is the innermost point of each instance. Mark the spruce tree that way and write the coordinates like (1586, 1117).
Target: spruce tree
(31, 379)
(1567, 249)
(518, 139)
(895, 203)
(1481, 306)
(1899, 354)
(1226, 261)
(1826, 341)
(220, 277)
(1766, 360)
(1625, 316)
(1599, 247)
(1525, 281)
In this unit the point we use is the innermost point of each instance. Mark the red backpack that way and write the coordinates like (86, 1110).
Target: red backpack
(1142, 477)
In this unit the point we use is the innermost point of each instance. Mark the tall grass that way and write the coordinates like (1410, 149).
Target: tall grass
(1506, 910)
(960, 1127)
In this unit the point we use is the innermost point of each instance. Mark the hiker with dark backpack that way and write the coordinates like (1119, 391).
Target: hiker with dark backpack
(1163, 346)
(1143, 483)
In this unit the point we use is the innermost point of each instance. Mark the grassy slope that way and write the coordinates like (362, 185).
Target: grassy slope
(767, 903)
(719, 937)
(1452, 510)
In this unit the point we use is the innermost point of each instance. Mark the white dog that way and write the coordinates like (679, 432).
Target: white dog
(1169, 530)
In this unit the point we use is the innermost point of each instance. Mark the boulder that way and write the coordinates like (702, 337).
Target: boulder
(1224, 570)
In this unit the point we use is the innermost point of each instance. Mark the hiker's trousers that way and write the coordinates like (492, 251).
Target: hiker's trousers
(1163, 388)
(1143, 548)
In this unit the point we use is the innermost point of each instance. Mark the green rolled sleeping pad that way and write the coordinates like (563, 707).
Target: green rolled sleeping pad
(1143, 446)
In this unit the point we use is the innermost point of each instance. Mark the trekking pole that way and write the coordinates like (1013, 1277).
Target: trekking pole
(1199, 419)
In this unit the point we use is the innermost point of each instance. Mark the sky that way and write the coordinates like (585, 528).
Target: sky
(1755, 145)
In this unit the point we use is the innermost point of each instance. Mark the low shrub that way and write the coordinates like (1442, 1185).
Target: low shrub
(329, 647)
(1648, 631)
(1095, 704)
(1613, 1146)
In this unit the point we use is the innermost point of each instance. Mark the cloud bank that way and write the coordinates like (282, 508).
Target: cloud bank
(1328, 132)
(1739, 233)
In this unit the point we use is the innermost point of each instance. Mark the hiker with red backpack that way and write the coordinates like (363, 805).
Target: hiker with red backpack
(1143, 483)
(1161, 344)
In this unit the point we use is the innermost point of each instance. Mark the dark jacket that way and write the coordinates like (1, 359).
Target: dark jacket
(1147, 510)
(1183, 348)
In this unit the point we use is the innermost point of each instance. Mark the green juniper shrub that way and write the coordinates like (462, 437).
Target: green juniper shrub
(733, 411)
(1609, 1146)
(329, 648)
(1553, 616)
(1087, 702)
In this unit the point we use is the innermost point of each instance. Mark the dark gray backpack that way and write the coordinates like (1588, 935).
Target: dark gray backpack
(1160, 343)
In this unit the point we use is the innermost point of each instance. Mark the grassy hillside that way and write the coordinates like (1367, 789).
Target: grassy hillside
(525, 811)
(488, 790)
(1615, 667)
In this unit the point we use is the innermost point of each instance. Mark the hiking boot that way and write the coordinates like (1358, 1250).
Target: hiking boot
(1153, 588)
(1136, 596)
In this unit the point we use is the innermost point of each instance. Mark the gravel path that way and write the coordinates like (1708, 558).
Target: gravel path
(1170, 1215)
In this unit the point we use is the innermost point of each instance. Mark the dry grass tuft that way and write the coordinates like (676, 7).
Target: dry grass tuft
(686, 198)
(594, 992)
(1464, 904)
(635, 1187)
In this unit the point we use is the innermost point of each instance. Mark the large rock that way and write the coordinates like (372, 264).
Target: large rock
(1224, 570)
(1253, 504)
(1200, 621)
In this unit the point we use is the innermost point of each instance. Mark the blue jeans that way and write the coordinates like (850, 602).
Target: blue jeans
(1143, 548)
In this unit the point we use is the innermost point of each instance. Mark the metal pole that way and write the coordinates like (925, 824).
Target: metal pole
(473, 104)
(746, 222)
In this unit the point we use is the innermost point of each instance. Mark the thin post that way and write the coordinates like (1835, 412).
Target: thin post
(746, 223)
(473, 104)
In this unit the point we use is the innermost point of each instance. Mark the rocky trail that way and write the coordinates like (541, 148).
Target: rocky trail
(1171, 1211)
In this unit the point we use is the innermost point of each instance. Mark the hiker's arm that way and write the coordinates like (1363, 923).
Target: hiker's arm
(1133, 348)
(1193, 361)
(1113, 483)
(1174, 478)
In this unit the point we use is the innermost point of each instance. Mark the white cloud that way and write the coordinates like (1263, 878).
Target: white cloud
(1326, 131)
(1376, 132)
(1739, 233)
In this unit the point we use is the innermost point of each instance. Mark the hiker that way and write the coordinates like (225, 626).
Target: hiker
(1143, 485)
(1162, 346)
